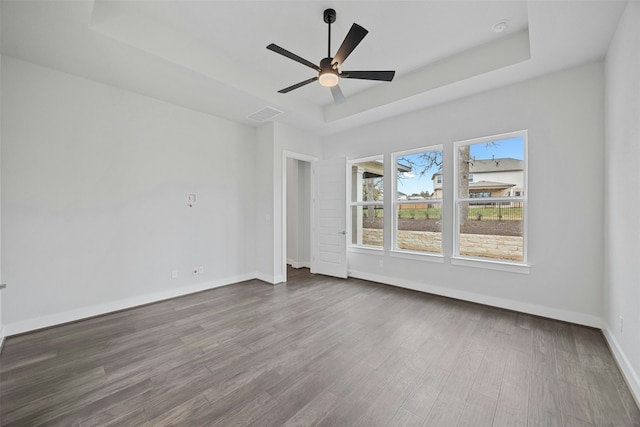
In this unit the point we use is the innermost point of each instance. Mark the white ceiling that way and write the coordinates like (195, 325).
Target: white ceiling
(211, 56)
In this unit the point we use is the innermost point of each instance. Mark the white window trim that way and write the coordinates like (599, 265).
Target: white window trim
(366, 249)
(417, 255)
(395, 251)
(491, 264)
(457, 259)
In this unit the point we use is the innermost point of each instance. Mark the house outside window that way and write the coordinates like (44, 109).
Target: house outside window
(417, 207)
(367, 201)
(479, 194)
(494, 228)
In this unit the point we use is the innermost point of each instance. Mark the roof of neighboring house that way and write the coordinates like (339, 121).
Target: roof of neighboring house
(489, 184)
(492, 165)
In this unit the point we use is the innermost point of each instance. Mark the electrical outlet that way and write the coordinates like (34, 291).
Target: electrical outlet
(621, 324)
(174, 274)
(200, 270)
(380, 263)
(195, 271)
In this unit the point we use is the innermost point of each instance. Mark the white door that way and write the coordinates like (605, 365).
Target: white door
(329, 245)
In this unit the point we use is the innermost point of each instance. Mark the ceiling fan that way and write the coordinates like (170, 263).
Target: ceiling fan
(328, 73)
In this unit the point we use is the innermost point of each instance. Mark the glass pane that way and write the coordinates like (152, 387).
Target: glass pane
(367, 224)
(419, 226)
(492, 230)
(420, 176)
(366, 181)
(491, 169)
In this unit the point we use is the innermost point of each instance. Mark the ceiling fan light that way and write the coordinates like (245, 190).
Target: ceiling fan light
(328, 79)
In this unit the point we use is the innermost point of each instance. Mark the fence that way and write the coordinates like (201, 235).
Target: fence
(494, 211)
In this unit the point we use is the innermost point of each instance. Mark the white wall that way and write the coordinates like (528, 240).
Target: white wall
(263, 190)
(272, 141)
(622, 195)
(287, 138)
(1, 322)
(94, 209)
(564, 115)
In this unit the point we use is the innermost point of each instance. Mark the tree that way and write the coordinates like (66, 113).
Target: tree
(424, 163)
(464, 161)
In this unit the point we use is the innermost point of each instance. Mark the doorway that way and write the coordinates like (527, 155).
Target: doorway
(296, 200)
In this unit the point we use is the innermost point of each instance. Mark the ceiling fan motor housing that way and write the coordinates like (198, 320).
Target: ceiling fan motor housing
(328, 76)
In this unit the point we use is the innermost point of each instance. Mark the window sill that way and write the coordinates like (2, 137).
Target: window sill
(417, 256)
(511, 267)
(369, 250)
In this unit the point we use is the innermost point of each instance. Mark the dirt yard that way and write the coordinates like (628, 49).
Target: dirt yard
(494, 228)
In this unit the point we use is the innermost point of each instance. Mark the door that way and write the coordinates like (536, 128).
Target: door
(329, 245)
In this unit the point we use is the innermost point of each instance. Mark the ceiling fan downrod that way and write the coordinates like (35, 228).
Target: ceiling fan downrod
(329, 18)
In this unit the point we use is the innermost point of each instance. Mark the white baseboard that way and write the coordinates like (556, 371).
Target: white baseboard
(630, 375)
(272, 280)
(537, 310)
(100, 309)
(299, 264)
(1, 339)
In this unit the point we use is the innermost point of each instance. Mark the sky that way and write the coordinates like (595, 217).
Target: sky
(414, 183)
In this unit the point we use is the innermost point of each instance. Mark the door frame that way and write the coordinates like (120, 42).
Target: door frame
(285, 156)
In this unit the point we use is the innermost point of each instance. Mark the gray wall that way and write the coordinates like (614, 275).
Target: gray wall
(622, 195)
(564, 115)
(94, 208)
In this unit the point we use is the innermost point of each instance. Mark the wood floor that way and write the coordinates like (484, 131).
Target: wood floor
(316, 351)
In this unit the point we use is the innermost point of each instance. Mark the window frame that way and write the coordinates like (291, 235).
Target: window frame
(471, 261)
(355, 247)
(394, 250)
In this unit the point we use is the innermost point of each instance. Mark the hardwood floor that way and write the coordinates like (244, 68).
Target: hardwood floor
(316, 351)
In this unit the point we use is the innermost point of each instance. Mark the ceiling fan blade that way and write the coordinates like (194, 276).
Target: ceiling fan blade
(297, 85)
(284, 52)
(386, 76)
(338, 96)
(353, 39)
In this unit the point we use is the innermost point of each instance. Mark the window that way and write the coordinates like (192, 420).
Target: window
(494, 228)
(367, 201)
(418, 203)
(479, 194)
(470, 177)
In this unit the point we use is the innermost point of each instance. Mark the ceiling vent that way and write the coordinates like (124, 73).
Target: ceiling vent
(265, 114)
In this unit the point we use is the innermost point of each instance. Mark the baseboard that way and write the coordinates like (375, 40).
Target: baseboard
(1, 339)
(629, 374)
(537, 310)
(100, 309)
(299, 264)
(272, 280)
